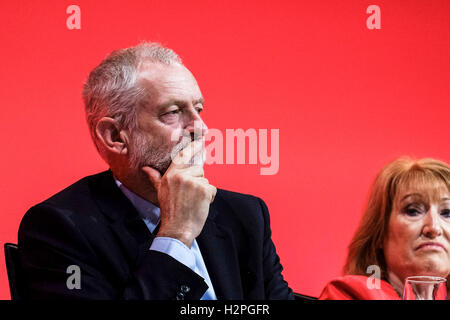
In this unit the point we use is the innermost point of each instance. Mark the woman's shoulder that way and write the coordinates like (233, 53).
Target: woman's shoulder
(358, 287)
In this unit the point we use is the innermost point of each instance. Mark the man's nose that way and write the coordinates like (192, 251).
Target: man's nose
(432, 224)
(196, 127)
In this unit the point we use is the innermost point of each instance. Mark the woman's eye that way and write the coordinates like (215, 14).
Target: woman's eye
(445, 213)
(412, 211)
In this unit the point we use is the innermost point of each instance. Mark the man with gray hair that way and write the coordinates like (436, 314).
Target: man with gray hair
(152, 226)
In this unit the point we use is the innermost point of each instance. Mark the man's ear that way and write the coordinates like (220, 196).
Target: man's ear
(109, 133)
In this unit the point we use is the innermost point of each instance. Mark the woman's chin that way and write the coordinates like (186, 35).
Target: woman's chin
(433, 266)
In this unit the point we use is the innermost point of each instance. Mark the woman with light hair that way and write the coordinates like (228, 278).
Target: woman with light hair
(405, 231)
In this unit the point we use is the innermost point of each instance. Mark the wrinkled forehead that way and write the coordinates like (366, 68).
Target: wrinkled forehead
(161, 73)
(428, 186)
(168, 82)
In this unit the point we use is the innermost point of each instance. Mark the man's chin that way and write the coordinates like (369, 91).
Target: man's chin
(161, 168)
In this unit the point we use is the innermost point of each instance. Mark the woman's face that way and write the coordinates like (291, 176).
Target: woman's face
(418, 241)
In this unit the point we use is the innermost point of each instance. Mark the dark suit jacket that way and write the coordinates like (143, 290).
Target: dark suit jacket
(91, 224)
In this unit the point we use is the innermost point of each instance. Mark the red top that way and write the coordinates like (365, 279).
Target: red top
(353, 287)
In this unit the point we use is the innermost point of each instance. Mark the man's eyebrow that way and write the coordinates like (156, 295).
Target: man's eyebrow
(199, 101)
(180, 103)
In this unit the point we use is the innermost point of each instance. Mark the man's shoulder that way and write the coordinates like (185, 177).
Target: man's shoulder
(246, 208)
(77, 197)
(228, 195)
(77, 193)
(236, 199)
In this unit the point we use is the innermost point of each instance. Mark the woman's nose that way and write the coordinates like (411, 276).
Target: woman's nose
(432, 224)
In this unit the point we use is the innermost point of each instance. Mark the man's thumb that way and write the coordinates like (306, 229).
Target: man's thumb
(153, 175)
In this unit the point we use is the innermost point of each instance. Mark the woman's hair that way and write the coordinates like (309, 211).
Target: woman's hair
(366, 247)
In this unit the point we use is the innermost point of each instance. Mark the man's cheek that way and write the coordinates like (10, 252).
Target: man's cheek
(176, 136)
(177, 147)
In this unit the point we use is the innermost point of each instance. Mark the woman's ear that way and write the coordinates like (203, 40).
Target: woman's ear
(113, 139)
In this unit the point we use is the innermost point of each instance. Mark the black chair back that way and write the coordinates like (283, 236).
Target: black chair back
(299, 296)
(13, 269)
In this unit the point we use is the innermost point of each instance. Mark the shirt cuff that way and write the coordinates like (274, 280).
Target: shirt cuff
(176, 249)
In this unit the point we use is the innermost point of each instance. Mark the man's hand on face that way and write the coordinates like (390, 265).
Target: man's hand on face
(184, 195)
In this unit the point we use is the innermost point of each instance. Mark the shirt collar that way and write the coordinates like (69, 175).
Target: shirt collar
(147, 210)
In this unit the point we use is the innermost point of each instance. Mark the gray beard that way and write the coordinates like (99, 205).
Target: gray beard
(145, 152)
(157, 154)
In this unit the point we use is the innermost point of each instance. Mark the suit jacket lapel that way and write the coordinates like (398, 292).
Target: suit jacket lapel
(128, 227)
(219, 253)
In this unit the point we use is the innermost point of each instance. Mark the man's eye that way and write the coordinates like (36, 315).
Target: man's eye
(171, 116)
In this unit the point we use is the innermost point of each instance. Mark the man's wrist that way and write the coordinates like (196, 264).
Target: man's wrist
(186, 239)
(174, 248)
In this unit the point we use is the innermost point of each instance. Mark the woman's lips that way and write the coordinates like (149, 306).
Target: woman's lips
(431, 246)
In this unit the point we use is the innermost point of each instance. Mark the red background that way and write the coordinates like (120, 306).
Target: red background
(346, 100)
